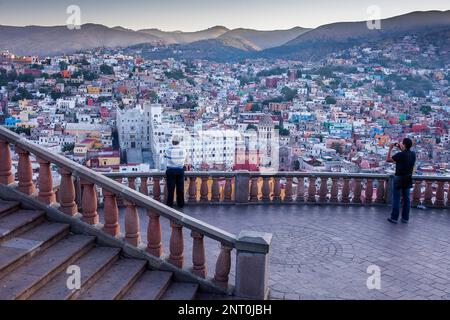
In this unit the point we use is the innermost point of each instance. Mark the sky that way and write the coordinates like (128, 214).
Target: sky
(193, 15)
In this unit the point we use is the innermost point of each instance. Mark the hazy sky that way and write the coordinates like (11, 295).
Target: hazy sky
(191, 15)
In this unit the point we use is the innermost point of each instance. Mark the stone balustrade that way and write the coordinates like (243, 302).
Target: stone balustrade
(291, 188)
(81, 190)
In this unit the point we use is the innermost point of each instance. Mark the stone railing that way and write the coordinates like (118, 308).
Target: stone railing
(251, 248)
(245, 187)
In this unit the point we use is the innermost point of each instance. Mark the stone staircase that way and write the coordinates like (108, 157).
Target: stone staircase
(35, 254)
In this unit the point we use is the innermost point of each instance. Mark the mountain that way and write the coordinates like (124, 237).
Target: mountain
(179, 37)
(325, 39)
(35, 40)
(221, 50)
(264, 39)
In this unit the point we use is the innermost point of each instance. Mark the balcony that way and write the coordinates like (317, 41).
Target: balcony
(327, 228)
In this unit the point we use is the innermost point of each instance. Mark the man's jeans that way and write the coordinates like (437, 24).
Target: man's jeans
(175, 179)
(396, 197)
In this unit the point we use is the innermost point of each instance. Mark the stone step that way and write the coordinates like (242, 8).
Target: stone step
(21, 248)
(33, 274)
(93, 265)
(6, 207)
(150, 286)
(12, 225)
(115, 283)
(181, 291)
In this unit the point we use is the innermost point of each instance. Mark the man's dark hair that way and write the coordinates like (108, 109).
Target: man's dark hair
(175, 143)
(407, 142)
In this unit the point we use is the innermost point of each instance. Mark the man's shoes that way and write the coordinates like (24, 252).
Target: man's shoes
(405, 221)
(392, 220)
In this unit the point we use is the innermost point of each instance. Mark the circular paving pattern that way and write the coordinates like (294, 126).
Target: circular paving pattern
(305, 247)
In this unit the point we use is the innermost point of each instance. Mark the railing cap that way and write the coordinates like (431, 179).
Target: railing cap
(254, 241)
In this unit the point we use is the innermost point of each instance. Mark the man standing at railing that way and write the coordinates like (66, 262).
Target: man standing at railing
(404, 168)
(176, 157)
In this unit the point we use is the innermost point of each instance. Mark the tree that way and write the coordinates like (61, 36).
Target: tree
(330, 100)
(27, 77)
(56, 95)
(105, 69)
(63, 65)
(68, 147)
(337, 146)
(20, 130)
(288, 93)
(153, 96)
(425, 109)
(175, 74)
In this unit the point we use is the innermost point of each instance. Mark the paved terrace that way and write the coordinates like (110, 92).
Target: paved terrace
(322, 252)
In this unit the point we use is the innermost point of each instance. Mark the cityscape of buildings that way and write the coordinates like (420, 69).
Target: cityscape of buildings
(115, 111)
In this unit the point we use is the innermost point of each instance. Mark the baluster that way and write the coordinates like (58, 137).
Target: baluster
(132, 183)
(380, 191)
(369, 191)
(228, 189)
(429, 193)
(198, 255)
(132, 227)
(312, 189)
(89, 203)
(192, 189)
(276, 189)
(323, 191)
(25, 172)
(111, 212)
(357, 191)
(6, 176)
(204, 189)
(288, 190)
(266, 189)
(254, 189)
(223, 266)
(334, 190)
(300, 189)
(417, 192)
(440, 194)
(45, 179)
(176, 245)
(156, 189)
(346, 191)
(215, 190)
(154, 235)
(67, 193)
(144, 186)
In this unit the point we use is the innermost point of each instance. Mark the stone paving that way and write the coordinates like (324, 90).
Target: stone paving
(323, 252)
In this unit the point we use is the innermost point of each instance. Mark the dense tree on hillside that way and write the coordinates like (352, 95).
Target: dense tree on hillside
(330, 100)
(63, 66)
(271, 72)
(105, 69)
(175, 74)
(289, 94)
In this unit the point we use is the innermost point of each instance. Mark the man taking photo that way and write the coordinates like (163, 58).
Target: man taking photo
(404, 167)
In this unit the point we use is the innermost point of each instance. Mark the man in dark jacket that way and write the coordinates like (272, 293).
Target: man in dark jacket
(404, 167)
